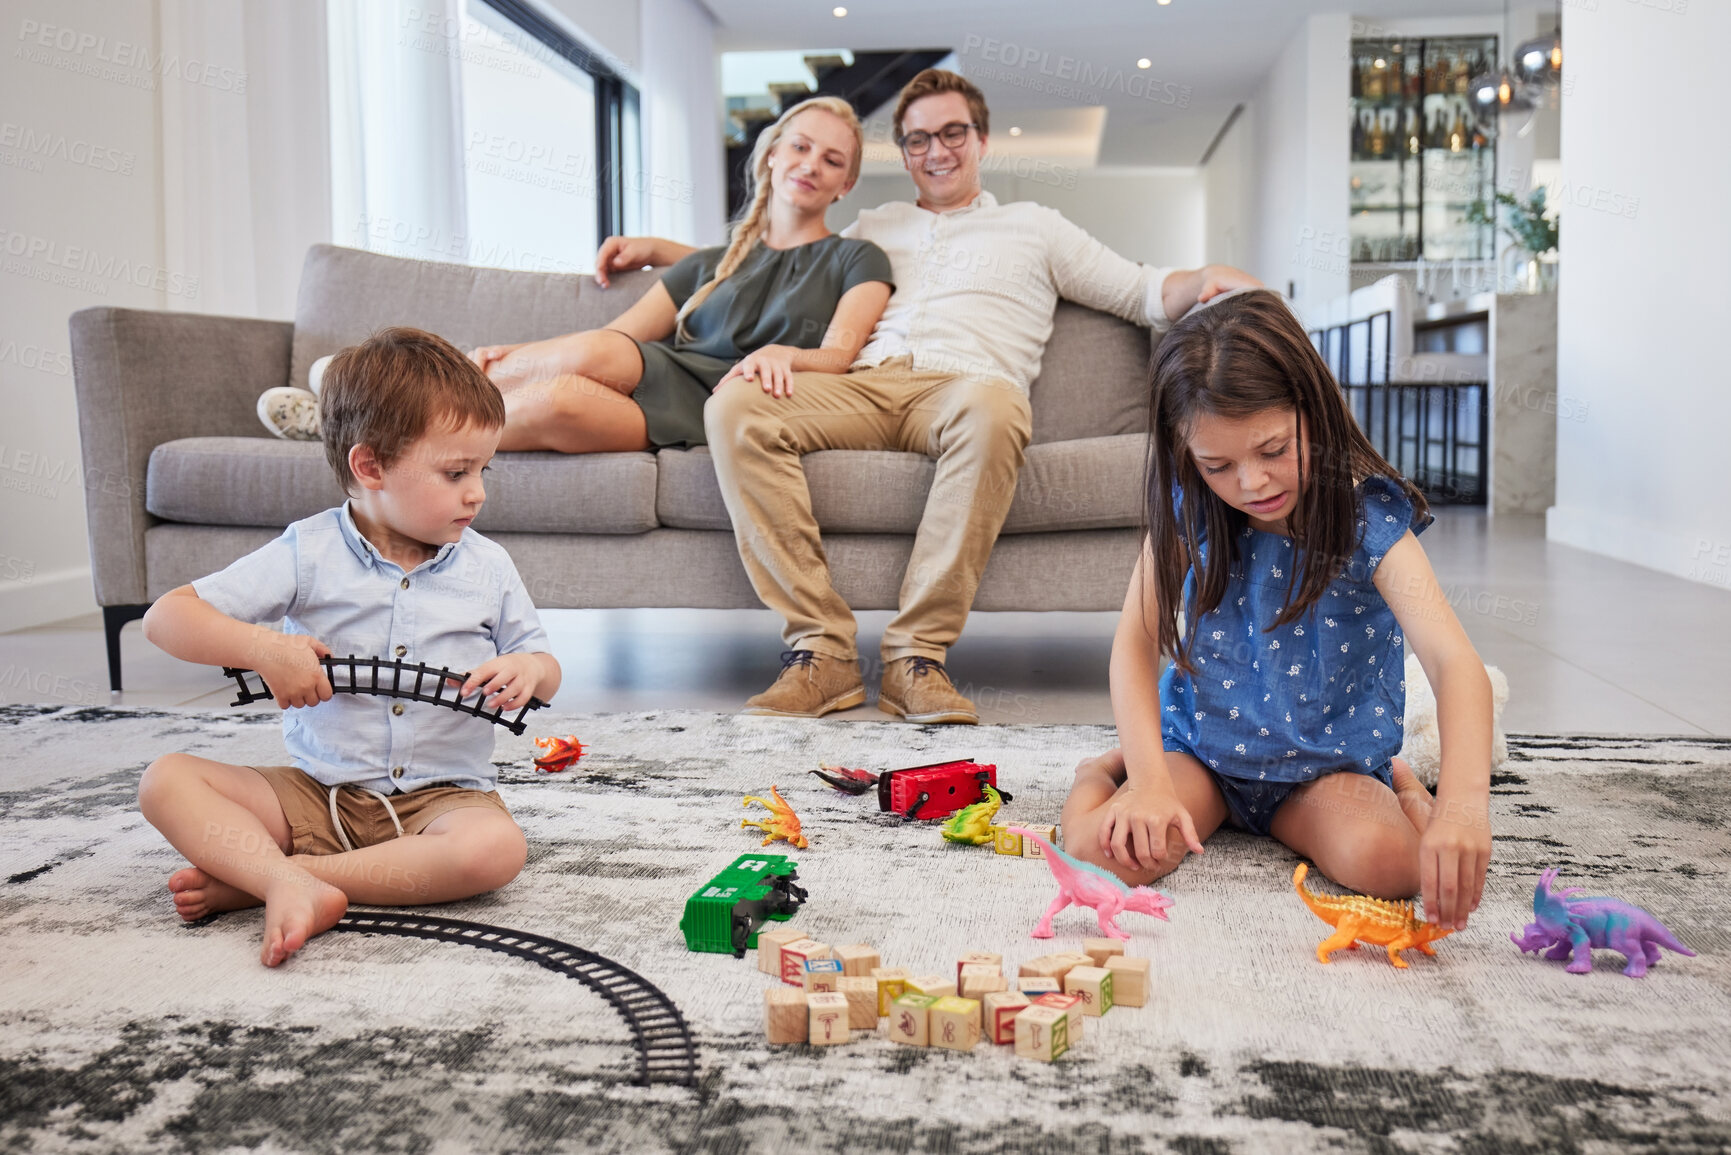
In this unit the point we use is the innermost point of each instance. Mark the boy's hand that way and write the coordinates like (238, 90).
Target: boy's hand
(1453, 854)
(510, 680)
(289, 665)
(1137, 826)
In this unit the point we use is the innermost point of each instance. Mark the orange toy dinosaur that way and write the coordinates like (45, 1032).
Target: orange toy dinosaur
(1375, 921)
(781, 822)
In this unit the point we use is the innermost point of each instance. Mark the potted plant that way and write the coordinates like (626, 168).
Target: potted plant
(1532, 232)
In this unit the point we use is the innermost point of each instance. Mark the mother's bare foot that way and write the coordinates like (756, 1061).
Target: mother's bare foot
(297, 906)
(197, 894)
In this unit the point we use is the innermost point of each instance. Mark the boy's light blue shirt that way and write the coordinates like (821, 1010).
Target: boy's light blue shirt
(463, 607)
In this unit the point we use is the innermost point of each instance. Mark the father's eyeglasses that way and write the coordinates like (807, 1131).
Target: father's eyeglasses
(953, 134)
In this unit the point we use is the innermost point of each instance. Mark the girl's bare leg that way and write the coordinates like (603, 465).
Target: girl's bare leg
(1356, 831)
(227, 822)
(1098, 779)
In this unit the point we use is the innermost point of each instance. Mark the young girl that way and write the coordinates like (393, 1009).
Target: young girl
(1281, 709)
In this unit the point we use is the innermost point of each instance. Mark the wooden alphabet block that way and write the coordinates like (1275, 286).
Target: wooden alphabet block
(892, 984)
(785, 1016)
(1032, 985)
(1093, 985)
(1030, 848)
(821, 974)
(1046, 966)
(829, 1018)
(908, 1019)
(1101, 949)
(998, 1013)
(1129, 980)
(1068, 961)
(954, 1023)
(769, 944)
(861, 993)
(1004, 842)
(858, 959)
(978, 958)
(1042, 1033)
(1071, 1005)
(938, 986)
(795, 955)
(978, 986)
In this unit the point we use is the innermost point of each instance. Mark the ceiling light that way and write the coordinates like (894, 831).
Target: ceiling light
(1163, 3)
(840, 12)
(1144, 63)
(1015, 131)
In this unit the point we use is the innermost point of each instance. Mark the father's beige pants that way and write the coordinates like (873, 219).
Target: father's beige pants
(977, 429)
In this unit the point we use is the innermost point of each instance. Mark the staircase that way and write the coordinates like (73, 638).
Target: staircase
(871, 81)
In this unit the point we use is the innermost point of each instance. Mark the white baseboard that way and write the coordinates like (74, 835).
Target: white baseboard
(1695, 557)
(45, 597)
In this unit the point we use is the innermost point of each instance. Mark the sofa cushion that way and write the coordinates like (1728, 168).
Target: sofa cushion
(259, 481)
(346, 294)
(1093, 379)
(1091, 483)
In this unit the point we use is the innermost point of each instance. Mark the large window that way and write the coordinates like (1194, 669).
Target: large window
(478, 131)
(551, 142)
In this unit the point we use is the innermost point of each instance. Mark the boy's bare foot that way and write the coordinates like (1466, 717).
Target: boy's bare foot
(1415, 800)
(297, 906)
(197, 894)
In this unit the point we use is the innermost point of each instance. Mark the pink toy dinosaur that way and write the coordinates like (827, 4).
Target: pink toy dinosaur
(1088, 885)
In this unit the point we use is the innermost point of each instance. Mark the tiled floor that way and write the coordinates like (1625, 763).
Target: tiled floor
(1589, 645)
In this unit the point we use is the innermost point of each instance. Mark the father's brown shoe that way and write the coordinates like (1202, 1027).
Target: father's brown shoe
(810, 686)
(919, 690)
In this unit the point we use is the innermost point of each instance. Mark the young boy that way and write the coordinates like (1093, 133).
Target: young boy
(387, 802)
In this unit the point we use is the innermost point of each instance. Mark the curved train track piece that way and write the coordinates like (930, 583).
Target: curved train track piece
(397, 672)
(666, 1052)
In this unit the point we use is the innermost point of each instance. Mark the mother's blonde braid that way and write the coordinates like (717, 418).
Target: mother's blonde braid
(750, 226)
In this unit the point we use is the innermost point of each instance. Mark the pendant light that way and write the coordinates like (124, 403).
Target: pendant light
(1539, 61)
(1499, 91)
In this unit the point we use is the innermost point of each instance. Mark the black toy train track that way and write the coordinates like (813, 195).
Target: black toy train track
(666, 1052)
(387, 679)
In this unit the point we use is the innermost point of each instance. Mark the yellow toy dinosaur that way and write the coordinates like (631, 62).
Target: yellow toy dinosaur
(781, 822)
(1375, 921)
(973, 824)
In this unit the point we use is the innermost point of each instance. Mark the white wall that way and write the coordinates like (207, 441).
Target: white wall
(1300, 142)
(154, 156)
(683, 155)
(1229, 190)
(1643, 298)
(1150, 215)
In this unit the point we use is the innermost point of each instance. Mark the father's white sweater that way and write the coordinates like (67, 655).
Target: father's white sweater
(976, 287)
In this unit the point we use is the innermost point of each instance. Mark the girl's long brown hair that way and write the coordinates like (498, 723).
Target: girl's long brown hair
(1239, 356)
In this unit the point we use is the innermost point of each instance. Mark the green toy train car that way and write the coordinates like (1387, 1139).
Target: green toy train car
(725, 914)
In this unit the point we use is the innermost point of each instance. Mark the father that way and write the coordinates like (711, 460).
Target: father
(946, 374)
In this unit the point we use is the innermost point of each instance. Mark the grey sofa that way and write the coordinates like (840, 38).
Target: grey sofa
(181, 479)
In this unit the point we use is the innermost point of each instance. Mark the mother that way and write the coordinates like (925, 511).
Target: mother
(785, 295)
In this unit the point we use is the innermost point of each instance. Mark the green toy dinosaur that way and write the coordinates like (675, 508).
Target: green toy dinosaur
(973, 824)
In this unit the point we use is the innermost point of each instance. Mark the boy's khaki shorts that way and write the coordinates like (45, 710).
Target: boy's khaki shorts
(306, 803)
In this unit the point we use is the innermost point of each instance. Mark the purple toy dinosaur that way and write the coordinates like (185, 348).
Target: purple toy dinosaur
(1571, 927)
(1087, 885)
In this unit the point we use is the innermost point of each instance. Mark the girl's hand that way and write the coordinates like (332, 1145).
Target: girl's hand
(772, 365)
(1453, 854)
(510, 680)
(1137, 828)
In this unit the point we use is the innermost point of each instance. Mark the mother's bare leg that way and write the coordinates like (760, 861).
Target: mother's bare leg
(572, 414)
(606, 356)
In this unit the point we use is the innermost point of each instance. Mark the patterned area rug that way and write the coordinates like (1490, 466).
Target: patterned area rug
(121, 1030)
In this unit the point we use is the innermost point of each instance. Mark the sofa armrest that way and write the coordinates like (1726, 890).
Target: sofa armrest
(142, 378)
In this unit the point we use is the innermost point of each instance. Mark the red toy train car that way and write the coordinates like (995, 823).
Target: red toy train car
(935, 791)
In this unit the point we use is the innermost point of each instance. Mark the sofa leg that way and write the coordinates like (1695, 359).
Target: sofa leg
(114, 618)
